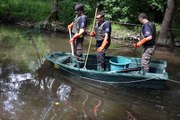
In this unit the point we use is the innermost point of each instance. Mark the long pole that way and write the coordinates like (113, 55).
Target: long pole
(135, 55)
(72, 46)
(90, 38)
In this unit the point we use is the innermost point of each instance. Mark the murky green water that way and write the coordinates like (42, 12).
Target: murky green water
(30, 88)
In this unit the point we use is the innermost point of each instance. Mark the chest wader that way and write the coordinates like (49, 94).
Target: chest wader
(148, 49)
(100, 34)
(79, 42)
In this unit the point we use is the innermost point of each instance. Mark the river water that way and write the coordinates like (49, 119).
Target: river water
(31, 89)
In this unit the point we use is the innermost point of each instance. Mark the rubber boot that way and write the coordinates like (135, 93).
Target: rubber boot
(144, 71)
(100, 67)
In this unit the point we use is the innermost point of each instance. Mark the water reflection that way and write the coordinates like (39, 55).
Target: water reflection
(35, 96)
(30, 87)
(10, 90)
(63, 92)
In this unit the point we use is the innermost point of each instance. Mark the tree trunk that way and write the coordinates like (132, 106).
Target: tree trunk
(165, 37)
(53, 16)
(51, 22)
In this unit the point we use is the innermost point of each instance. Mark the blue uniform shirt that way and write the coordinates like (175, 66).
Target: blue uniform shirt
(79, 22)
(83, 21)
(146, 30)
(107, 27)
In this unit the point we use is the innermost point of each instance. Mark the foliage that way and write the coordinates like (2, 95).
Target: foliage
(116, 10)
(119, 10)
(157, 4)
(122, 11)
(127, 10)
(19, 10)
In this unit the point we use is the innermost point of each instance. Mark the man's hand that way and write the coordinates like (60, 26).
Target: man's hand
(105, 42)
(70, 26)
(100, 49)
(92, 34)
(142, 42)
(135, 45)
(74, 38)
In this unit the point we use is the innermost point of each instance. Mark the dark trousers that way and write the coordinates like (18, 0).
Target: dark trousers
(100, 57)
(78, 47)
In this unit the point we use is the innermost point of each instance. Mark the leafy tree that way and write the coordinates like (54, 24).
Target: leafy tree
(127, 10)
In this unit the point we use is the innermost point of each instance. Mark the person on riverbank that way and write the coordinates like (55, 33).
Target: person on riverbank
(148, 34)
(102, 34)
(78, 27)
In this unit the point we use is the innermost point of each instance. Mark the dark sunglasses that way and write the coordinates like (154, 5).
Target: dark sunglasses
(98, 18)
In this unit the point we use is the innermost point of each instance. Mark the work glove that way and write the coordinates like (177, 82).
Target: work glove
(105, 42)
(92, 34)
(141, 42)
(70, 26)
(74, 38)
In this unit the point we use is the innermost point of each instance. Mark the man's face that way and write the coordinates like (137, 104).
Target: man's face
(140, 20)
(99, 18)
(78, 12)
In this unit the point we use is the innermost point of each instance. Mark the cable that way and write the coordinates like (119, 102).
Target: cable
(96, 80)
(171, 80)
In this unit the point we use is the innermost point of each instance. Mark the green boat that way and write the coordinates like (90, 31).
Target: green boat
(120, 70)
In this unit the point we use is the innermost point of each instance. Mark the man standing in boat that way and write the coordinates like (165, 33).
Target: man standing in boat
(102, 35)
(148, 34)
(78, 27)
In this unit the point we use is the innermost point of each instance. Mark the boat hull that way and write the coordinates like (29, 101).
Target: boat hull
(131, 79)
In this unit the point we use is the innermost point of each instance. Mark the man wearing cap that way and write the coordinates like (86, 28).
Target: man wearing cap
(102, 34)
(78, 27)
(148, 34)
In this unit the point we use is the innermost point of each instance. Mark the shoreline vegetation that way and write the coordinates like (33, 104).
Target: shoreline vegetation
(40, 15)
(120, 34)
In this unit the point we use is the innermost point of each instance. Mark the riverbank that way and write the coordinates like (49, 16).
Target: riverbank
(120, 34)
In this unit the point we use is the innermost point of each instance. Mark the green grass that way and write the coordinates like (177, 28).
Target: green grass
(123, 31)
(120, 30)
